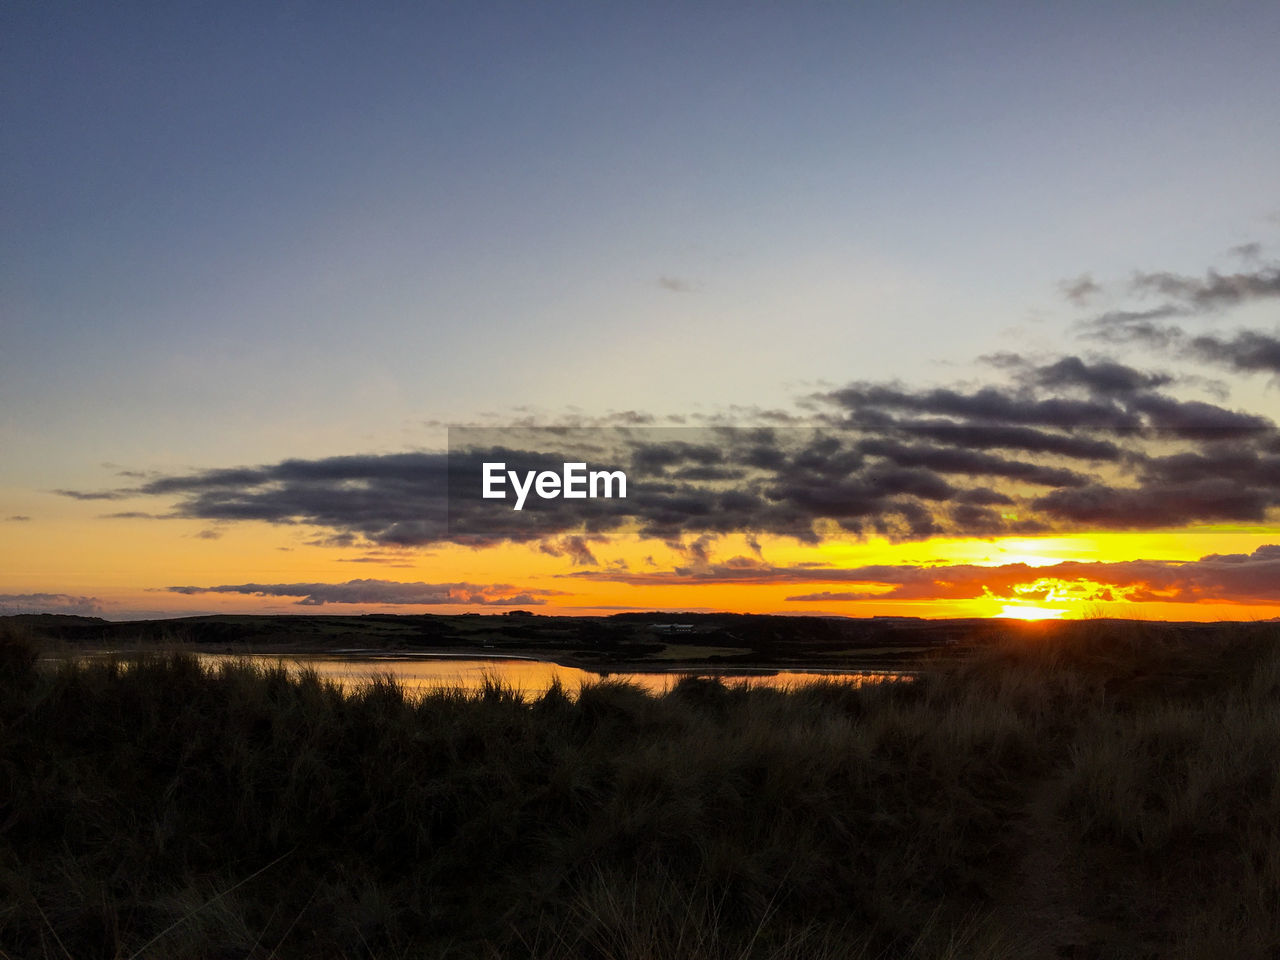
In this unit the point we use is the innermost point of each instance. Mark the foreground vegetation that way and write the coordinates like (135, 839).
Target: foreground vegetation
(1101, 794)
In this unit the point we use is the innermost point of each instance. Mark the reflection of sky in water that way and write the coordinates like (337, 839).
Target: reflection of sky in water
(527, 676)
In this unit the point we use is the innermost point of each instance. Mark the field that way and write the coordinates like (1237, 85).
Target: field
(1107, 791)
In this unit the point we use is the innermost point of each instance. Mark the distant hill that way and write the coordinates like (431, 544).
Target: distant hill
(50, 621)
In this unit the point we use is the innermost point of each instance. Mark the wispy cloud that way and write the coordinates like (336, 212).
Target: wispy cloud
(1080, 290)
(1247, 351)
(1214, 290)
(1248, 252)
(677, 284)
(64, 603)
(384, 592)
(575, 548)
(1185, 297)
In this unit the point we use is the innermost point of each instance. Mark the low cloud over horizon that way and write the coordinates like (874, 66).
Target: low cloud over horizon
(372, 591)
(20, 603)
(1252, 579)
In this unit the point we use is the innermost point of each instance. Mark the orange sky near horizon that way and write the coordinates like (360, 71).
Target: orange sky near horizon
(125, 567)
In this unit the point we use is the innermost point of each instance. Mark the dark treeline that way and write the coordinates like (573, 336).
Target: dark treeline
(1110, 792)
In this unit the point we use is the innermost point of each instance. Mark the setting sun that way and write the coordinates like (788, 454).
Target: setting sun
(1020, 612)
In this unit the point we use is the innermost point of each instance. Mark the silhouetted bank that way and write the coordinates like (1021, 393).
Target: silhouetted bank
(626, 640)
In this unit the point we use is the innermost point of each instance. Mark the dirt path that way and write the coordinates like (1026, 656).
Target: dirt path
(1039, 904)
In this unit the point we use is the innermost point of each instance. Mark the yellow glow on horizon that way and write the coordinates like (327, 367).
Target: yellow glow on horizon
(128, 564)
(1021, 612)
(1103, 546)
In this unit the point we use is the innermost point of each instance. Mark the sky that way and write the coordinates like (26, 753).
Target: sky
(1002, 280)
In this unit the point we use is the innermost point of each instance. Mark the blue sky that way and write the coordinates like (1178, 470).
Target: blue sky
(236, 233)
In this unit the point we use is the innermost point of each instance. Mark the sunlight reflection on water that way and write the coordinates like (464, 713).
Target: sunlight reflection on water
(529, 677)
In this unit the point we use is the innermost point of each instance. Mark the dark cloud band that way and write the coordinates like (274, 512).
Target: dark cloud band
(388, 592)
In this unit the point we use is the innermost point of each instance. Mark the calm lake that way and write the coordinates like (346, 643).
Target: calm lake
(531, 677)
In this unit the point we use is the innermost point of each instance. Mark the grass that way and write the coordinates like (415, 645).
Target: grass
(1107, 794)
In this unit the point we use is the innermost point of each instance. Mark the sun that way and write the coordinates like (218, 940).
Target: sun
(1025, 612)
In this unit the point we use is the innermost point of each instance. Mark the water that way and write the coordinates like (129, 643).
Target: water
(530, 677)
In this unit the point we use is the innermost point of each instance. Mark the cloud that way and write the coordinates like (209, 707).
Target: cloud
(1065, 445)
(1247, 351)
(1214, 290)
(64, 603)
(388, 499)
(1185, 296)
(1080, 290)
(575, 548)
(1102, 377)
(381, 561)
(986, 405)
(676, 284)
(1156, 505)
(388, 592)
(1195, 419)
(956, 460)
(825, 596)
(93, 495)
(1128, 327)
(990, 436)
(1249, 252)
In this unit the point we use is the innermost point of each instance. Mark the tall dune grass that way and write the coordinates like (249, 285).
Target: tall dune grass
(1111, 795)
